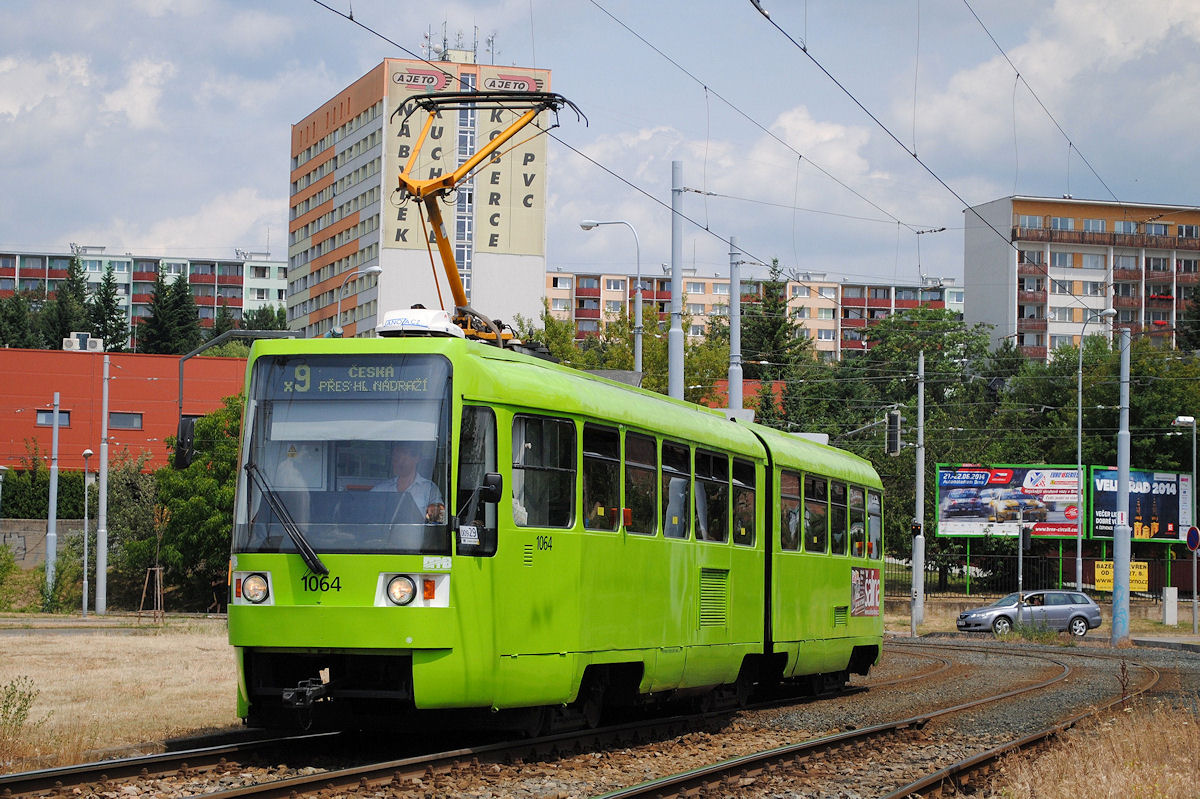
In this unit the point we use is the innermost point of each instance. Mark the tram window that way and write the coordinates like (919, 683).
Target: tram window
(641, 478)
(874, 526)
(789, 511)
(543, 482)
(676, 479)
(858, 522)
(712, 496)
(837, 518)
(816, 514)
(476, 457)
(601, 477)
(745, 513)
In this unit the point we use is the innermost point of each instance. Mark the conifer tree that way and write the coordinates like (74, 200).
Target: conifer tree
(156, 333)
(106, 317)
(185, 318)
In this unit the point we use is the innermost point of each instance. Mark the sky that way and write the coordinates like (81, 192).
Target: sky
(163, 126)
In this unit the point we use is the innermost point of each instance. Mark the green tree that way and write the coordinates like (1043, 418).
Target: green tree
(17, 323)
(156, 332)
(771, 341)
(198, 508)
(268, 317)
(1187, 331)
(66, 312)
(132, 535)
(223, 322)
(105, 314)
(185, 318)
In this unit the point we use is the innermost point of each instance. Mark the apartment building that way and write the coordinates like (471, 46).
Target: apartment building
(833, 313)
(1039, 268)
(347, 216)
(246, 282)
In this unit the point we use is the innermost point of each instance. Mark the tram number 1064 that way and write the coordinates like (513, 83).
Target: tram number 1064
(313, 582)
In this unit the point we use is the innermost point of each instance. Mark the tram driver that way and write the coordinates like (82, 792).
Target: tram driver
(420, 500)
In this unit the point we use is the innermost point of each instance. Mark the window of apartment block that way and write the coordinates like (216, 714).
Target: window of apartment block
(560, 282)
(260, 272)
(1062, 223)
(588, 326)
(1125, 290)
(824, 313)
(1031, 256)
(1094, 288)
(697, 330)
(1125, 262)
(1060, 287)
(1032, 284)
(587, 304)
(1125, 316)
(801, 313)
(589, 282)
(825, 334)
(1157, 263)
(881, 293)
(1061, 341)
(1063, 260)
(1158, 316)
(1125, 226)
(1156, 228)
(613, 306)
(828, 292)
(1093, 260)
(1029, 222)
(560, 304)
(1189, 231)
(800, 291)
(695, 308)
(695, 288)
(125, 421)
(281, 273)
(720, 288)
(1060, 315)
(120, 266)
(955, 295)
(880, 313)
(1093, 226)
(1189, 265)
(906, 294)
(852, 292)
(92, 265)
(854, 313)
(614, 284)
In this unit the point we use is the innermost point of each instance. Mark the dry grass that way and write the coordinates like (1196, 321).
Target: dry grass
(1145, 752)
(97, 689)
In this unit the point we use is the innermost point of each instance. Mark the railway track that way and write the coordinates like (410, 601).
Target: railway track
(225, 772)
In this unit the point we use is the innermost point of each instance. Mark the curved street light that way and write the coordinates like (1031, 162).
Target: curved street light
(589, 224)
(1107, 313)
(336, 330)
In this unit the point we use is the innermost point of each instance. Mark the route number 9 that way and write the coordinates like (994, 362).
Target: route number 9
(303, 377)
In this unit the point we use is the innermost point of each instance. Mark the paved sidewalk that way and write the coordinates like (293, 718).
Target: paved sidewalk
(1188, 642)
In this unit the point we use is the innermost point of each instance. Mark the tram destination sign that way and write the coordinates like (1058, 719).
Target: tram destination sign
(365, 377)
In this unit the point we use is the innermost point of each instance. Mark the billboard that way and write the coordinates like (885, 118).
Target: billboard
(1159, 504)
(976, 500)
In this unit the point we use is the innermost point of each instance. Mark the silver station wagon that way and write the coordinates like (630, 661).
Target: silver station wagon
(1072, 611)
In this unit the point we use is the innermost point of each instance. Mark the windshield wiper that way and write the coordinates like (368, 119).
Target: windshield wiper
(311, 560)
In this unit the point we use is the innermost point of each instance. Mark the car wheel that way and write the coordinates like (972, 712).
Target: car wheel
(1078, 626)
(1002, 625)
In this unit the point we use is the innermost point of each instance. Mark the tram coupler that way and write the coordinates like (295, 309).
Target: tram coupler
(306, 694)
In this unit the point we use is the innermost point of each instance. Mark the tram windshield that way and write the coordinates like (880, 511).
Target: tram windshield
(352, 449)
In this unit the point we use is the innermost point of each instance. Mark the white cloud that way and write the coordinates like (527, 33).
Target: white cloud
(138, 99)
(237, 218)
(26, 84)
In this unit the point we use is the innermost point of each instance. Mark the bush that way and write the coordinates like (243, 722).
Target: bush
(16, 702)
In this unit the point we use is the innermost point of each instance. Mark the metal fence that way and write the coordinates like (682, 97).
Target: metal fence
(993, 575)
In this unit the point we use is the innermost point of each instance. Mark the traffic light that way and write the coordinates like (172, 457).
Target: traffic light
(892, 447)
(916, 529)
(1026, 537)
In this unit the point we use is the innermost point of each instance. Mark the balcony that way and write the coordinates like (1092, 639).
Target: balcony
(1127, 302)
(229, 280)
(145, 277)
(854, 302)
(582, 292)
(1036, 297)
(202, 279)
(1127, 274)
(1031, 325)
(1104, 239)
(875, 302)
(1035, 353)
(1182, 279)
(587, 313)
(854, 323)
(917, 304)
(142, 299)
(1031, 270)
(847, 344)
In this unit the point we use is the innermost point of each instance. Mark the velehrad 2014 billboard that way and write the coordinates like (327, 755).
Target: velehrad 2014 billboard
(977, 500)
(980, 500)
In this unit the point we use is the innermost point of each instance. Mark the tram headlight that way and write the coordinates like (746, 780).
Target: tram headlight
(401, 589)
(254, 588)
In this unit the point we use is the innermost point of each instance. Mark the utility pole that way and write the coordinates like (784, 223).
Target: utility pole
(52, 515)
(675, 335)
(102, 509)
(1121, 545)
(918, 542)
(735, 327)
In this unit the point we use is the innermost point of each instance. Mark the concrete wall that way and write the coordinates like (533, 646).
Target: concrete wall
(27, 538)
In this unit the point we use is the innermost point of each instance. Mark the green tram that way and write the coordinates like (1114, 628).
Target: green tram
(578, 543)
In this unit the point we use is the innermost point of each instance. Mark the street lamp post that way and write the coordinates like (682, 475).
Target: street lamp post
(87, 455)
(1191, 420)
(336, 330)
(588, 224)
(1107, 313)
(3, 469)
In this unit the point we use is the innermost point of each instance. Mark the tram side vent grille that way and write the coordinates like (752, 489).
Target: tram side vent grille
(714, 597)
(840, 613)
(527, 556)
